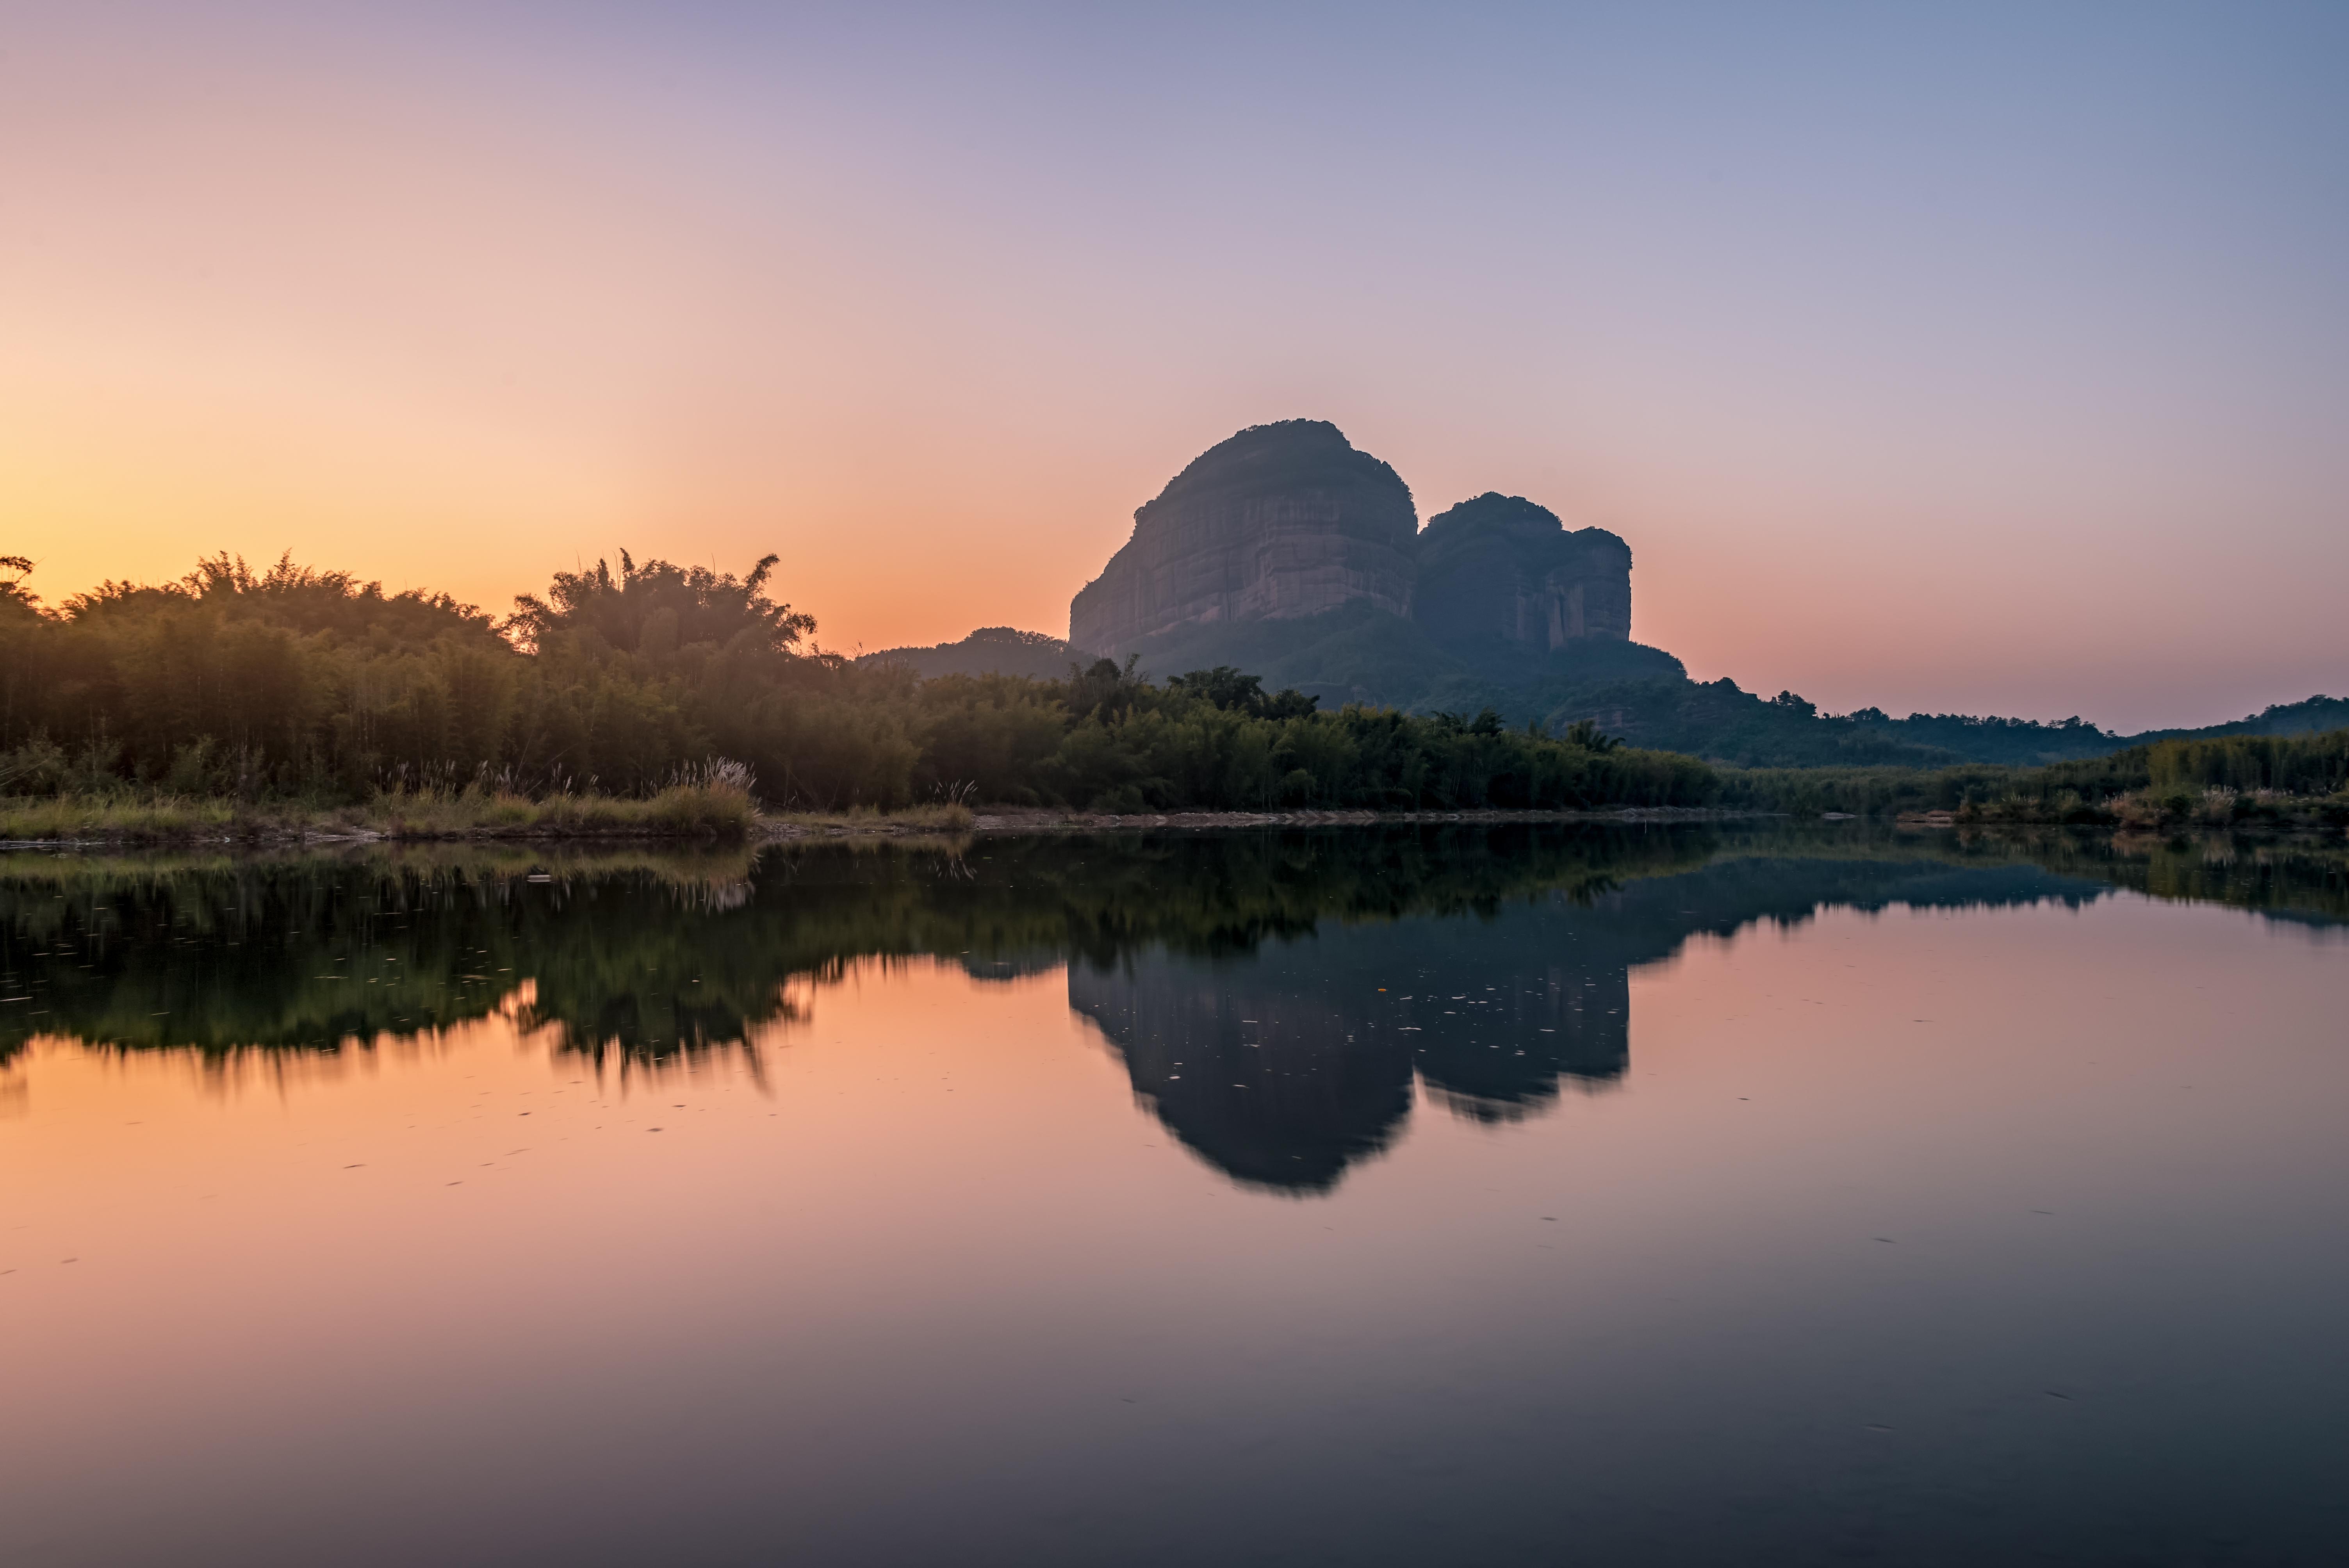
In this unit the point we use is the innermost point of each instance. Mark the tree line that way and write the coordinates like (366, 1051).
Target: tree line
(2219, 781)
(294, 683)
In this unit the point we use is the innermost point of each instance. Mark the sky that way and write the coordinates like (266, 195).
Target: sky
(1981, 358)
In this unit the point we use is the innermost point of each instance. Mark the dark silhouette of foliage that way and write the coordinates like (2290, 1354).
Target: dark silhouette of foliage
(14, 598)
(1582, 732)
(1227, 687)
(296, 683)
(659, 608)
(1103, 690)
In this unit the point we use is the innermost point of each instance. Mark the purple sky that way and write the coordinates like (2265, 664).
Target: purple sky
(1990, 359)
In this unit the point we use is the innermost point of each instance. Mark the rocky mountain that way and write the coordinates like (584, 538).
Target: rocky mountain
(1281, 521)
(1288, 522)
(1287, 553)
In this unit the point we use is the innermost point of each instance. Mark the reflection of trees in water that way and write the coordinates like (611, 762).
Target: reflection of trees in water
(628, 975)
(221, 958)
(2298, 881)
(640, 958)
(1278, 998)
(317, 954)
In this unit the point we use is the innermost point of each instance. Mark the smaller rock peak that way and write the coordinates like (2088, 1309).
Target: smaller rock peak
(1494, 512)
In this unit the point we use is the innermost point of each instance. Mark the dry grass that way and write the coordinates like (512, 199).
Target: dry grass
(681, 811)
(162, 819)
(696, 870)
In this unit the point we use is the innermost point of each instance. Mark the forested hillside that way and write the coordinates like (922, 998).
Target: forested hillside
(1640, 694)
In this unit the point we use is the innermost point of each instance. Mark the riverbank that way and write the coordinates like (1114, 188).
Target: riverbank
(2148, 811)
(1043, 821)
(929, 822)
(689, 815)
(699, 815)
(685, 811)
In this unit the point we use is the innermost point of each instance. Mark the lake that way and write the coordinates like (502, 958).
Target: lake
(1476, 1194)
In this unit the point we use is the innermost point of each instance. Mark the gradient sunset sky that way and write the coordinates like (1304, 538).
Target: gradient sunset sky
(1985, 358)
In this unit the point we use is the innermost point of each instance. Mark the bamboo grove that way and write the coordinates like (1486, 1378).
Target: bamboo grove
(298, 684)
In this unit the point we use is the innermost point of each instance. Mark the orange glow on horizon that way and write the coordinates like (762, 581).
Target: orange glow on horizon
(415, 298)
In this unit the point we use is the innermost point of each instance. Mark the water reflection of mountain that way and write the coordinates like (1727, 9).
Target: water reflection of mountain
(1284, 1064)
(1238, 974)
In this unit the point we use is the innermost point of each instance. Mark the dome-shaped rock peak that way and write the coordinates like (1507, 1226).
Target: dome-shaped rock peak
(1282, 519)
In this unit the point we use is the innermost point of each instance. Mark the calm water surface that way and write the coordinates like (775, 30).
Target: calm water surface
(1504, 1196)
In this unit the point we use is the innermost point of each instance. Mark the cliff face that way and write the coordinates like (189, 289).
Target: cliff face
(1280, 521)
(1499, 573)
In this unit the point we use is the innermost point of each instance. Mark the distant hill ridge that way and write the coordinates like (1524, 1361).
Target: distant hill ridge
(1717, 719)
(988, 651)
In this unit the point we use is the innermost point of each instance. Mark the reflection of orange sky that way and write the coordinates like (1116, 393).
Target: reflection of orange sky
(469, 1246)
(908, 1078)
(918, 1058)
(480, 1102)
